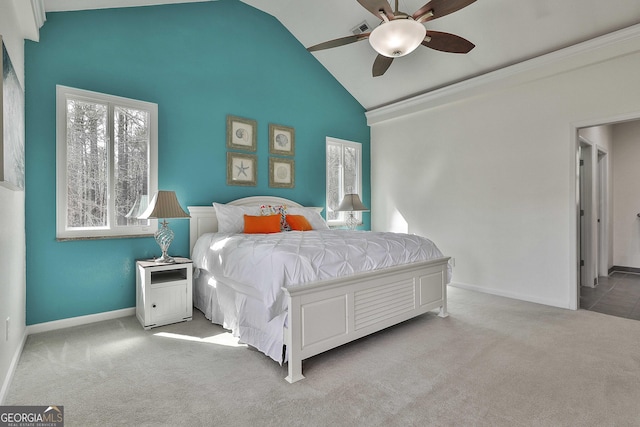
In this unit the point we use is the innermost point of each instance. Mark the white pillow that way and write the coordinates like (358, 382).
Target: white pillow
(312, 215)
(231, 218)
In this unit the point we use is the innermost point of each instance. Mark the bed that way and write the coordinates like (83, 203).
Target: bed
(321, 314)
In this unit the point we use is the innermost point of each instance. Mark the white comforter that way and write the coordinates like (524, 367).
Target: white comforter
(268, 262)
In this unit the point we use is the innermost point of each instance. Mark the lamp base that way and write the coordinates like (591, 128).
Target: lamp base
(164, 237)
(165, 259)
(351, 221)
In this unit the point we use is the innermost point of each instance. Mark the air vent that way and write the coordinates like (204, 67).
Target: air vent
(362, 27)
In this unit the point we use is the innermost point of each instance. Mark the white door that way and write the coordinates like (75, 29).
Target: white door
(581, 231)
(603, 218)
(587, 230)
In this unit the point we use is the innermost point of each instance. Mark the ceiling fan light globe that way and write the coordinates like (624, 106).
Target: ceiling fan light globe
(397, 38)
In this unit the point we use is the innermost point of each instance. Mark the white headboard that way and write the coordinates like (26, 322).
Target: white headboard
(203, 218)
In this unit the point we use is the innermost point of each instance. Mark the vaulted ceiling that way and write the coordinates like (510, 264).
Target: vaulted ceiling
(505, 32)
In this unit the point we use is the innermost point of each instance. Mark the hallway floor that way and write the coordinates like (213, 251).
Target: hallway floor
(617, 295)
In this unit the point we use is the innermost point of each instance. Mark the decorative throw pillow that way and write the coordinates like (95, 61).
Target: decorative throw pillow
(261, 224)
(230, 218)
(312, 215)
(276, 210)
(298, 223)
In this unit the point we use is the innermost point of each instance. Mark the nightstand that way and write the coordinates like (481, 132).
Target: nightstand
(163, 292)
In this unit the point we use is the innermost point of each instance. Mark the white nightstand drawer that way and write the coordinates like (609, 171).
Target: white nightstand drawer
(168, 302)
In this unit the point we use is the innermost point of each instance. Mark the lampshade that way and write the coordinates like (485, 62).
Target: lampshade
(164, 205)
(351, 202)
(398, 37)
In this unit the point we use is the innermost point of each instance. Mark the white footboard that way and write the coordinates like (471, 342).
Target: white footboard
(331, 313)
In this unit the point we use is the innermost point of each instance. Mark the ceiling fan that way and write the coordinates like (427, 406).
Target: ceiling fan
(400, 34)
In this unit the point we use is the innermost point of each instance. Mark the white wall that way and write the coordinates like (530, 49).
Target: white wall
(488, 170)
(626, 194)
(12, 231)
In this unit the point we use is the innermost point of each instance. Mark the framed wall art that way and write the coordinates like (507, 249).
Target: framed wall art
(11, 125)
(282, 140)
(241, 133)
(241, 169)
(281, 172)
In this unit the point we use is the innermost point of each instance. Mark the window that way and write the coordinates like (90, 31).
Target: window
(106, 164)
(344, 176)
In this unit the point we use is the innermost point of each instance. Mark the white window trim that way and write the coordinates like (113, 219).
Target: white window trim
(62, 232)
(358, 147)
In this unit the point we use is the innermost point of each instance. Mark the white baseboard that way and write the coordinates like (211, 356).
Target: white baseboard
(12, 368)
(512, 295)
(80, 320)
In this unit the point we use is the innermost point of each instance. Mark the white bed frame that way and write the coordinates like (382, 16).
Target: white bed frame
(330, 313)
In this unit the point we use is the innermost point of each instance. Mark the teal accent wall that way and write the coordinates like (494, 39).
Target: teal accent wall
(198, 62)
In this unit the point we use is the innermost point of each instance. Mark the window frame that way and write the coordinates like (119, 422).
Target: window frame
(111, 230)
(342, 143)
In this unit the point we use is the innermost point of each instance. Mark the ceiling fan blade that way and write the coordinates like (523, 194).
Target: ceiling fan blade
(338, 42)
(381, 65)
(446, 42)
(439, 8)
(375, 6)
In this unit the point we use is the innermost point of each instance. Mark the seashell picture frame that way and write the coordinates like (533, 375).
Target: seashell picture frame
(241, 133)
(282, 140)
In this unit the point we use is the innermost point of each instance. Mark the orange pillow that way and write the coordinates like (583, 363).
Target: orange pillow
(299, 223)
(261, 224)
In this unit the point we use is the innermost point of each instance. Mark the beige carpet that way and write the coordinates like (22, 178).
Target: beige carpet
(493, 362)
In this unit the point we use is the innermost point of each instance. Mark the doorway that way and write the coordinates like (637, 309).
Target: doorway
(608, 227)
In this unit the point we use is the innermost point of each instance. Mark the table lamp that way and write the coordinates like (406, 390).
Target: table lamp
(351, 203)
(164, 205)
